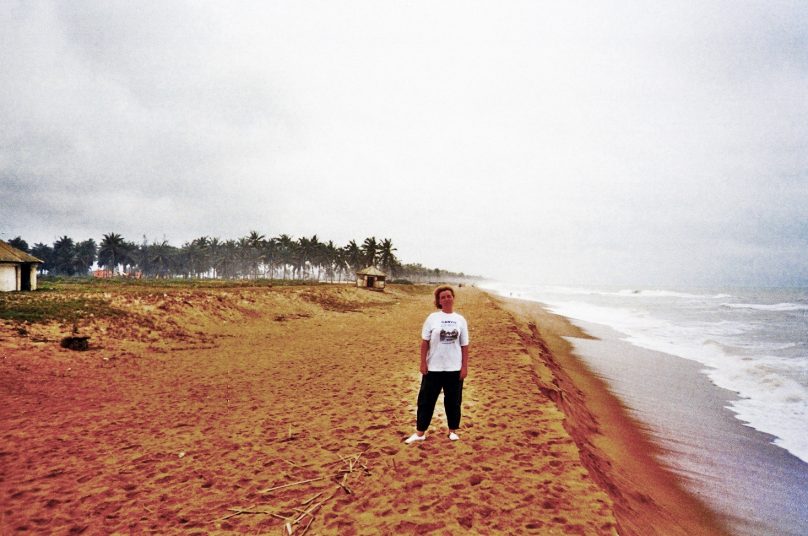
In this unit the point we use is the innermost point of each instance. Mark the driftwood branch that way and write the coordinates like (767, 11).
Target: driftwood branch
(268, 490)
(307, 501)
(250, 510)
(310, 511)
(293, 464)
(342, 484)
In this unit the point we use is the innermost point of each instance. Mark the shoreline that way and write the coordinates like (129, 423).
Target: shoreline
(203, 405)
(756, 487)
(618, 451)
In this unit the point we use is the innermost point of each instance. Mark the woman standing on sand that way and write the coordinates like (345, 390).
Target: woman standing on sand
(444, 364)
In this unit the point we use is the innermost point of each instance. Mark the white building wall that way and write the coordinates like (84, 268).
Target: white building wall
(33, 277)
(8, 277)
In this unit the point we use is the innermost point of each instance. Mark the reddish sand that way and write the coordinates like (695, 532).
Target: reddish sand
(253, 410)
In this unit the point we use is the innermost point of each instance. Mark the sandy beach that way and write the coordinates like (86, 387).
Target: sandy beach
(264, 410)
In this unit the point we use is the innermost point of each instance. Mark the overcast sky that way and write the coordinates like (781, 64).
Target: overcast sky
(639, 143)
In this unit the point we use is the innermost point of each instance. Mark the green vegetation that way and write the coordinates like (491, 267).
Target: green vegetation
(36, 307)
(94, 285)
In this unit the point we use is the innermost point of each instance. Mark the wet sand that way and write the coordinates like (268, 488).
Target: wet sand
(247, 410)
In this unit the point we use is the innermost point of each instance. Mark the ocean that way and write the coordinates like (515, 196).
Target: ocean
(730, 399)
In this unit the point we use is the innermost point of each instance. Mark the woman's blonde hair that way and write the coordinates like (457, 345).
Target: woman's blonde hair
(437, 294)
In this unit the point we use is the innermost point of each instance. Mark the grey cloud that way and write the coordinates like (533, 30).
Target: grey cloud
(665, 140)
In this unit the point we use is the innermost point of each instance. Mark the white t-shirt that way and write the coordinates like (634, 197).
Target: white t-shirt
(446, 333)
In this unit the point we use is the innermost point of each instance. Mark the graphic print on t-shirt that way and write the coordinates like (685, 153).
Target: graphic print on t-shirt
(449, 337)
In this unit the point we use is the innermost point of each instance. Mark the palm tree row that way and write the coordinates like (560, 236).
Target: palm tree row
(252, 256)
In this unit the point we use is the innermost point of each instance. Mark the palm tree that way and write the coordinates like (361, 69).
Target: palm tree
(45, 253)
(112, 252)
(301, 252)
(285, 247)
(216, 258)
(84, 256)
(228, 256)
(387, 258)
(242, 257)
(370, 248)
(161, 258)
(131, 257)
(64, 256)
(139, 257)
(310, 254)
(254, 251)
(193, 257)
(322, 258)
(328, 258)
(188, 259)
(354, 256)
(269, 254)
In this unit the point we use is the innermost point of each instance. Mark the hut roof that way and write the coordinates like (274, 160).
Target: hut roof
(9, 253)
(371, 270)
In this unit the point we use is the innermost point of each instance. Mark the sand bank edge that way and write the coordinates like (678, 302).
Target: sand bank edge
(649, 499)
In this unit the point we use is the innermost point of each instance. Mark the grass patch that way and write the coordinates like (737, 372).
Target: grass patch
(33, 307)
(92, 284)
(77, 298)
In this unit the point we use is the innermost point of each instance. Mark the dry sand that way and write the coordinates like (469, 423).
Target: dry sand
(244, 410)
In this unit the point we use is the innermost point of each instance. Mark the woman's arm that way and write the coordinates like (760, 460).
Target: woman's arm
(424, 352)
(464, 367)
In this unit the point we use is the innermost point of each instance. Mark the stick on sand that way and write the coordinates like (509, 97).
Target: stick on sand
(292, 484)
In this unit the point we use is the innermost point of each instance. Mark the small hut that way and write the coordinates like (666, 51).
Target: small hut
(371, 277)
(17, 269)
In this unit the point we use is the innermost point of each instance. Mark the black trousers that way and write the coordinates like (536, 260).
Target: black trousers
(431, 385)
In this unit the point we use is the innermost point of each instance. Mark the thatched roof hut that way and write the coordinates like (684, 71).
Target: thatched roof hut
(17, 269)
(371, 277)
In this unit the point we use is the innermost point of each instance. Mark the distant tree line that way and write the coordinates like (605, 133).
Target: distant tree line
(250, 257)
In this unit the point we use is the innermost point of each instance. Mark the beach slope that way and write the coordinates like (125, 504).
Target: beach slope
(648, 499)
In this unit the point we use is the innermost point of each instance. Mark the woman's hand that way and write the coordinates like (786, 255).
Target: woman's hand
(424, 368)
(464, 371)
